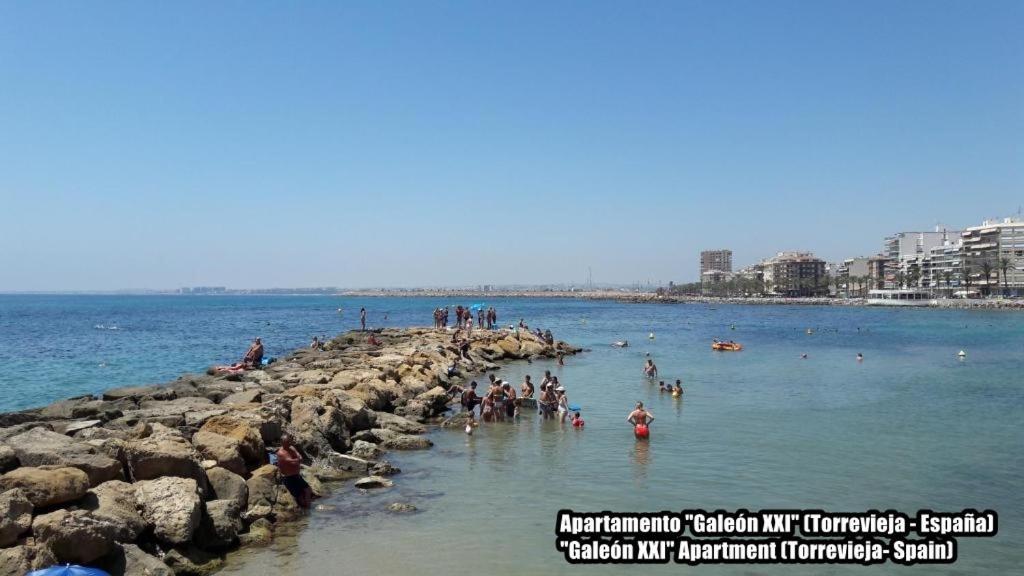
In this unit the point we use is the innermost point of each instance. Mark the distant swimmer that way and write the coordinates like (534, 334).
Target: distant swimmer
(860, 357)
(650, 369)
(677, 392)
(620, 344)
(663, 388)
(803, 356)
(640, 419)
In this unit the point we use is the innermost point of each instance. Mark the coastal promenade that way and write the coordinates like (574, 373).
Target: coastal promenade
(165, 479)
(654, 298)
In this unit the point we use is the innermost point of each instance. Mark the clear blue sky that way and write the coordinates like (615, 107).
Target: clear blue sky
(430, 143)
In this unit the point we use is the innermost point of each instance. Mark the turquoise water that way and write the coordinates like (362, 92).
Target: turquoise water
(909, 427)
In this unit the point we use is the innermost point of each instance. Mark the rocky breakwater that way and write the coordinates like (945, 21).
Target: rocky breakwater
(164, 479)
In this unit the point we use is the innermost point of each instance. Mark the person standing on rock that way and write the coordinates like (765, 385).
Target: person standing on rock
(289, 463)
(362, 318)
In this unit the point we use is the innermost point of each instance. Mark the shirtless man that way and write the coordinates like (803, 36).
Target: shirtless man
(526, 390)
(640, 419)
(254, 355)
(650, 369)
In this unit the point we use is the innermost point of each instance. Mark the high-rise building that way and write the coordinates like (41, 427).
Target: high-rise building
(715, 260)
(998, 247)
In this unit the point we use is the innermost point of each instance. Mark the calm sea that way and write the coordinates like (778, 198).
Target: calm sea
(909, 427)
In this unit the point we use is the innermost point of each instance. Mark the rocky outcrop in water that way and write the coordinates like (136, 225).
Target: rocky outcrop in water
(163, 479)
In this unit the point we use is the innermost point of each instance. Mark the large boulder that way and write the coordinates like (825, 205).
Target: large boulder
(131, 392)
(398, 423)
(15, 516)
(130, 560)
(47, 487)
(19, 560)
(221, 523)
(318, 427)
(74, 536)
(8, 458)
(162, 454)
(395, 441)
(265, 490)
(226, 485)
(114, 501)
(41, 447)
(242, 436)
(245, 397)
(171, 505)
(357, 416)
(192, 561)
(366, 450)
(221, 449)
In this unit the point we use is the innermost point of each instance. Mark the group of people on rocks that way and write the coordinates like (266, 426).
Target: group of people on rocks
(464, 317)
(502, 402)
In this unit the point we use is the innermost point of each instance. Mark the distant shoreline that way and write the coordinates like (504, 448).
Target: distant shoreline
(652, 298)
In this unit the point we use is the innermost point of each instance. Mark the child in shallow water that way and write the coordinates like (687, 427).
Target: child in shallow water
(577, 420)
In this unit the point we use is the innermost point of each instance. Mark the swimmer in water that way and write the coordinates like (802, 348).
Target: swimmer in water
(650, 369)
(621, 344)
(577, 420)
(804, 356)
(662, 388)
(678, 390)
(640, 419)
(860, 357)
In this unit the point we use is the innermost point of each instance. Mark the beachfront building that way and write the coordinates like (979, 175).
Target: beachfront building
(853, 277)
(720, 260)
(942, 268)
(795, 274)
(878, 272)
(716, 283)
(905, 251)
(993, 257)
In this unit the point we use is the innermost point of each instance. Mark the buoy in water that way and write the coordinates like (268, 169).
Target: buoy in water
(469, 429)
(962, 354)
(651, 336)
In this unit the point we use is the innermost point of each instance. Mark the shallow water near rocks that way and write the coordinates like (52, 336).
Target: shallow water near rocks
(910, 427)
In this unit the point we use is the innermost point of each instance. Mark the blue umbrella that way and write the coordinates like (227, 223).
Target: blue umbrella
(68, 570)
(476, 307)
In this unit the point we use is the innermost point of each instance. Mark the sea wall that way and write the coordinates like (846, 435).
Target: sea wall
(165, 479)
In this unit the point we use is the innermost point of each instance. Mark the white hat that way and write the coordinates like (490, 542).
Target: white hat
(560, 389)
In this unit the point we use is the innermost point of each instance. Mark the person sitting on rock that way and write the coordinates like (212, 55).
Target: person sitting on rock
(254, 355)
(289, 462)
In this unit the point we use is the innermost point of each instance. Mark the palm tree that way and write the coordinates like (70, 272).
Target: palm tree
(968, 270)
(900, 278)
(986, 271)
(947, 275)
(1004, 265)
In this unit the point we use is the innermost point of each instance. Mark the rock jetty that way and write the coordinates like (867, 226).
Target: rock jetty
(164, 479)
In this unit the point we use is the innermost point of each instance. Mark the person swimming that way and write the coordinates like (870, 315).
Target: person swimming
(620, 344)
(677, 392)
(860, 357)
(577, 420)
(662, 387)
